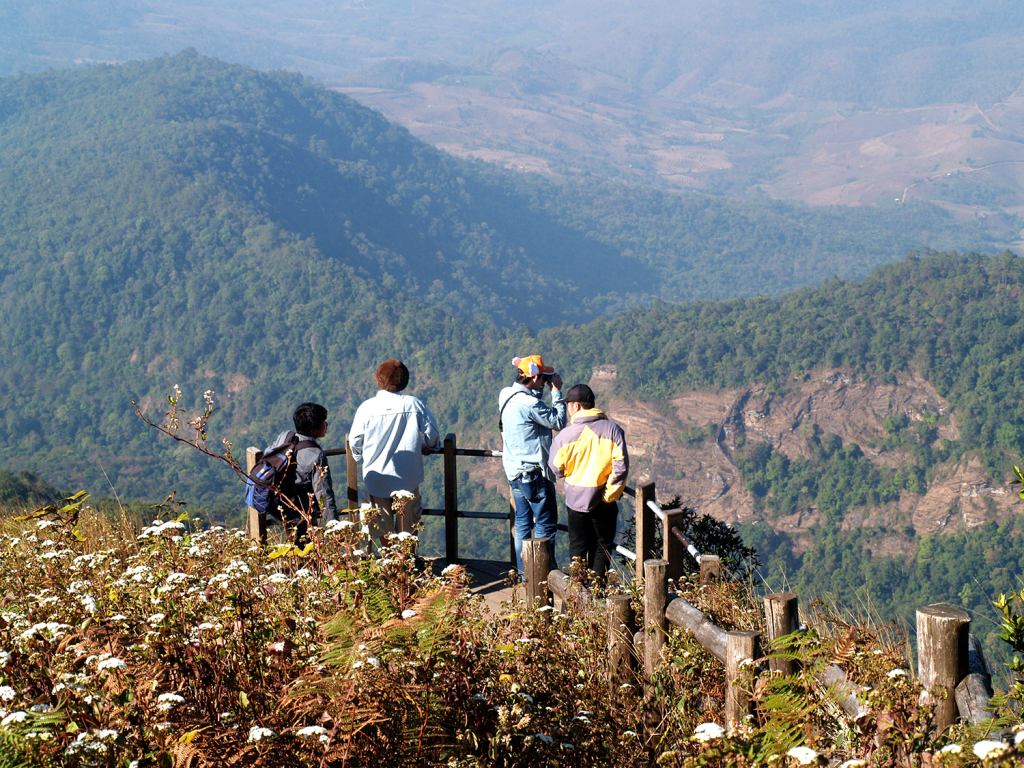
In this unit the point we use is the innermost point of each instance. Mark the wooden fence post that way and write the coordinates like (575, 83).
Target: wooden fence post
(655, 623)
(511, 527)
(942, 648)
(451, 501)
(781, 612)
(741, 648)
(673, 550)
(644, 527)
(710, 568)
(352, 475)
(536, 567)
(621, 661)
(257, 523)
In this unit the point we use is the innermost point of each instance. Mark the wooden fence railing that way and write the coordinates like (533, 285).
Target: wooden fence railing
(951, 666)
(949, 657)
(450, 511)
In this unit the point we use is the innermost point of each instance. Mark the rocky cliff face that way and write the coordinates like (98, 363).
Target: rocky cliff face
(688, 449)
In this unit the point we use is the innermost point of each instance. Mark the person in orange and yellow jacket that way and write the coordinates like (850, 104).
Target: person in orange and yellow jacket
(591, 455)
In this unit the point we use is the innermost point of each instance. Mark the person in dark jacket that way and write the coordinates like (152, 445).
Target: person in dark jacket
(311, 490)
(591, 455)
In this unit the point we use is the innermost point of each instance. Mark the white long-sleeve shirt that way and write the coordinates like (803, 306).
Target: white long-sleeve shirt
(388, 435)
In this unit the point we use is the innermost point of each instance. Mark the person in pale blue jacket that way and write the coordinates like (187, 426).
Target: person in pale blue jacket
(388, 436)
(526, 421)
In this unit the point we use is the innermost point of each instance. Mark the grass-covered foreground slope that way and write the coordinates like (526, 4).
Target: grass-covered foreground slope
(176, 646)
(185, 221)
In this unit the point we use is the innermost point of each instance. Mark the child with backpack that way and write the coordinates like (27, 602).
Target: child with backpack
(295, 467)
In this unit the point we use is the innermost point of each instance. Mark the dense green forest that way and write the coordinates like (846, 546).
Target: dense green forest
(188, 221)
(184, 221)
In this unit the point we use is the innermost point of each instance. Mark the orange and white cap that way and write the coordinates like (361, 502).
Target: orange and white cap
(532, 365)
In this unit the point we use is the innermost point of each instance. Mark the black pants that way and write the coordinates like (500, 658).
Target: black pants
(592, 536)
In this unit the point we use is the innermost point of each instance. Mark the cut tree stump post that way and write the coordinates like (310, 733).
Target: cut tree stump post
(257, 523)
(451, 502)
(782, 617)
(710, 568)
(673, 550)
(742, 647)
(352, 477)
(942, 650)
(644, 528)
(621, 661)
(536, 567)
(655, 623)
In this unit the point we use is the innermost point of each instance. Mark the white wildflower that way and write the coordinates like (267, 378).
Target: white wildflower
(952, 749)
(168, 701)
(988, 749)
(803, 755)
(7, 693)
(155, 619)
(408, 613)
(110, 664)
(314, 731)
(257, 733)
(14, 717)
(896, 673)
(708, 731)
(89, 603)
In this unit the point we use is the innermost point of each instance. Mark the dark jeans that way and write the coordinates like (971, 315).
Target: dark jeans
(534, 497)
(592, 536)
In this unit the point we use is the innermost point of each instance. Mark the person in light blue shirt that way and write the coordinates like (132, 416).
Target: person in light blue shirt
(526, 421)
(388, 436)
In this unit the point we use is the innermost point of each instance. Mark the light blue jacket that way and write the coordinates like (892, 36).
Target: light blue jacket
(527, 423)
(388, 435)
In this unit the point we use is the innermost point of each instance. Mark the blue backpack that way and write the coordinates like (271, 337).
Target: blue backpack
(274, 474)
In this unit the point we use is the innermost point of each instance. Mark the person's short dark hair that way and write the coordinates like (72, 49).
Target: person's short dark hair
(580, 393)
(392, 376)
(522, 378)
(308, 418)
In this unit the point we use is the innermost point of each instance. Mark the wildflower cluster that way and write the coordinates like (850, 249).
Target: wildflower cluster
(163, 644)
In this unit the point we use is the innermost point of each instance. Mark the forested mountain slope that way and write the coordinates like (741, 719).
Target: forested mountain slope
(188, 221)
(183, 221)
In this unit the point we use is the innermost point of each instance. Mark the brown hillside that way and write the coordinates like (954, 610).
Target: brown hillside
(829, 401)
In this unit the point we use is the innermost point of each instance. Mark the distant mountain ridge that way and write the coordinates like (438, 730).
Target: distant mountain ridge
(730, 52)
